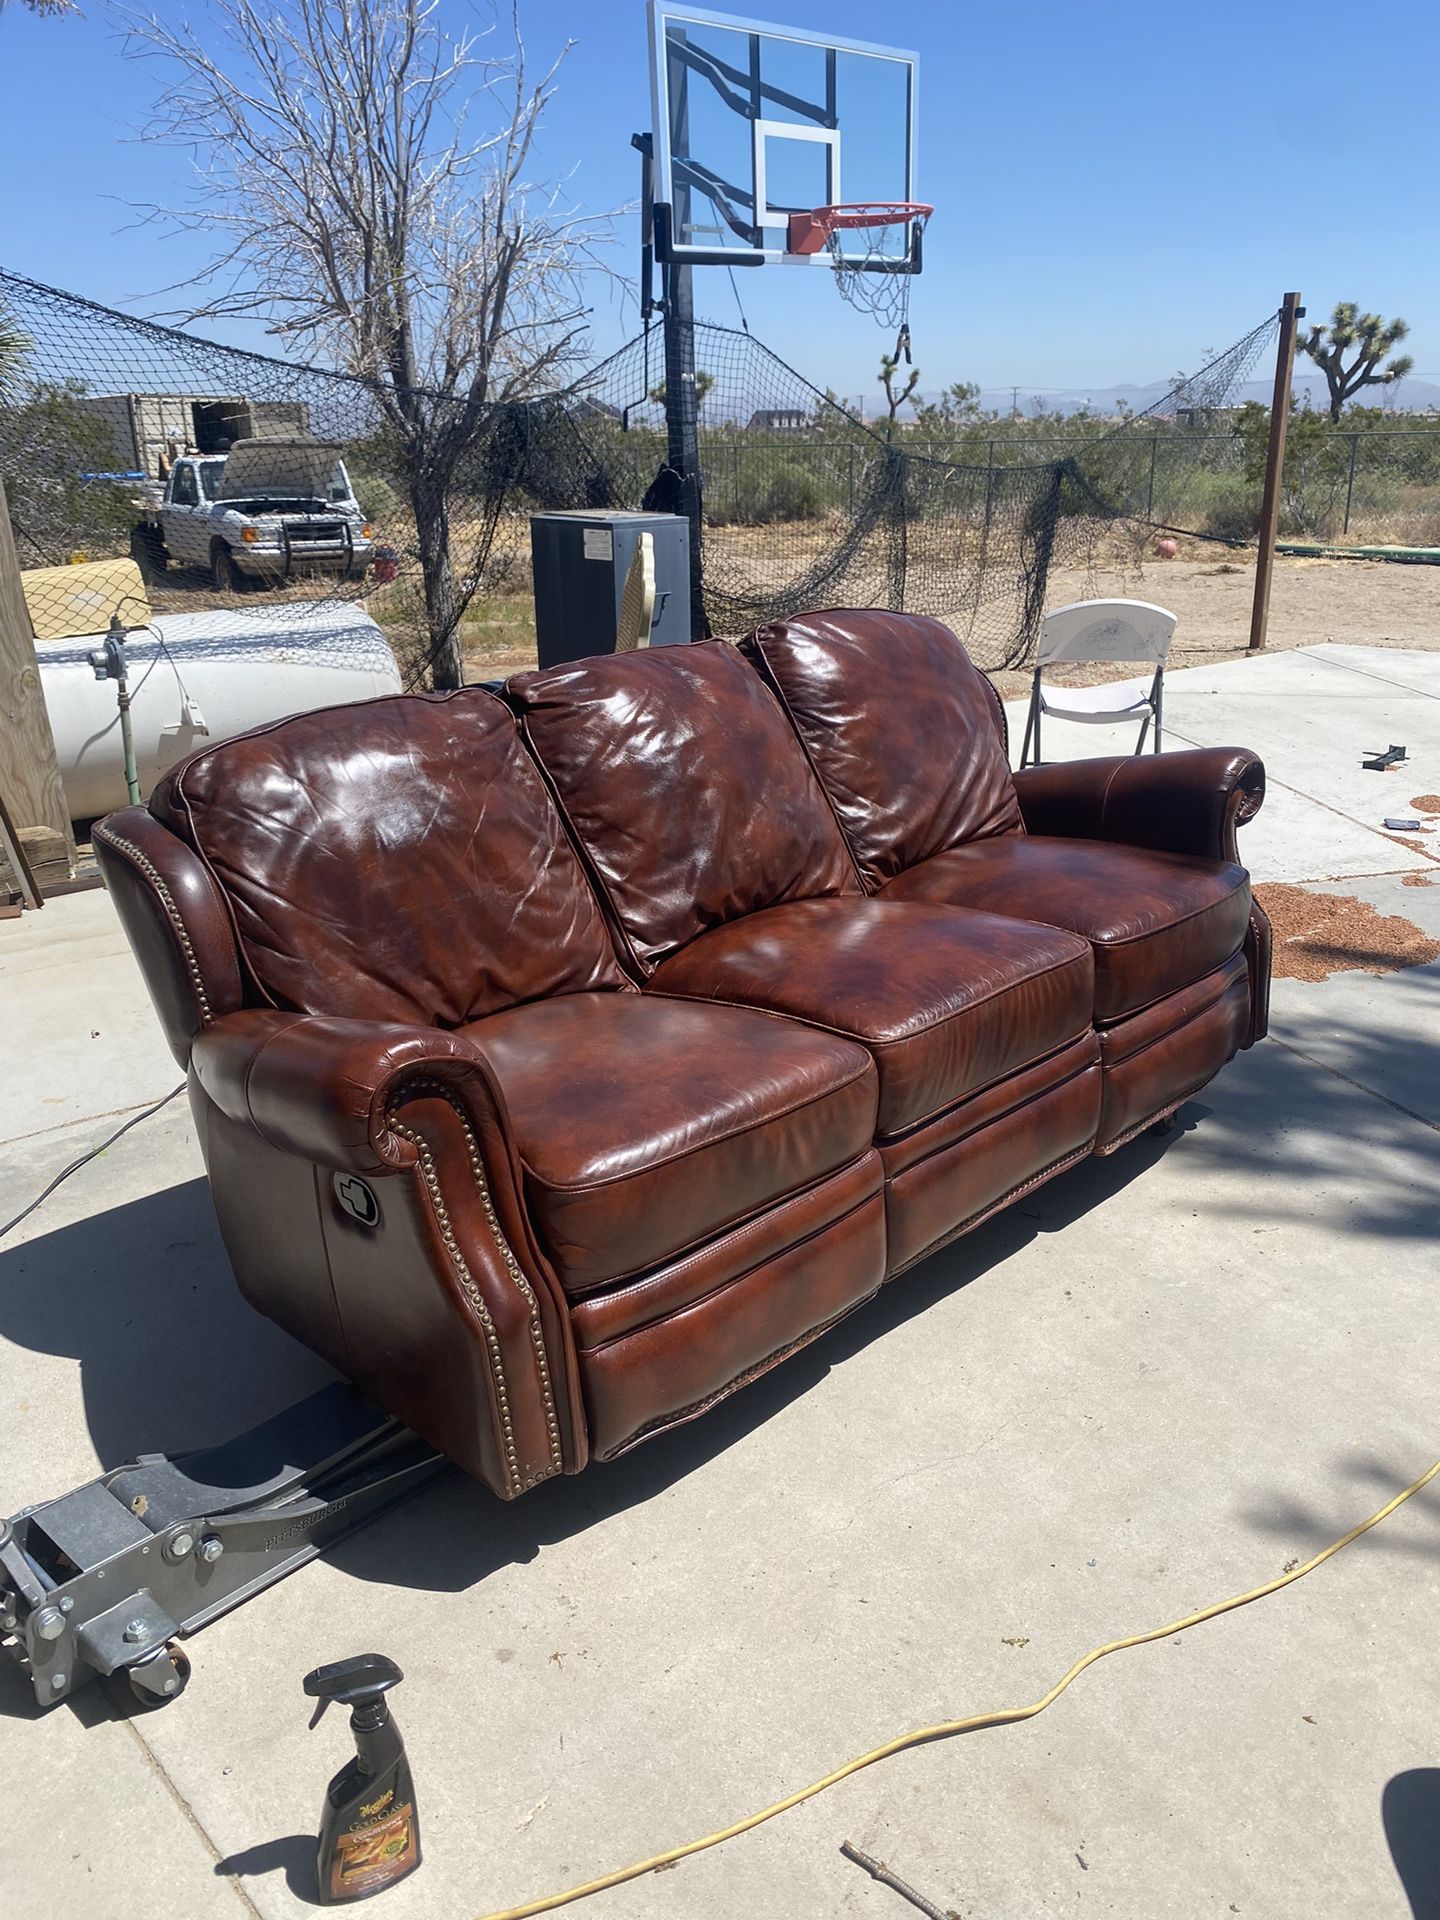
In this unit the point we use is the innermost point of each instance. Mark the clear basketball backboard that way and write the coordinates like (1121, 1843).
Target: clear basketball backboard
(755, 122)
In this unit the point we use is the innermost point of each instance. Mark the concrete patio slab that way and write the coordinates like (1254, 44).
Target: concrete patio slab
(1157, 1381)
(1312, 714)
(81, 1044)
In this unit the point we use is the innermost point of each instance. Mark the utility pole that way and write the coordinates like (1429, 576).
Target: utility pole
(1291, 311)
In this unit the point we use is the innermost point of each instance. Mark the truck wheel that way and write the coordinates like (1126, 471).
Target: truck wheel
(147, 550)
(223, 571)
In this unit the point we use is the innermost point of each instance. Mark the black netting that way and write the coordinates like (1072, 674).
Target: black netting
(959, 517)
(803, 504)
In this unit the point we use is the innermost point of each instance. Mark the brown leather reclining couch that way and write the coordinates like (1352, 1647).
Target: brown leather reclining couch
(563, 1061)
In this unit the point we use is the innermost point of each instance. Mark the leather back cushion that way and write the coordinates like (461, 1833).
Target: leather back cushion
(902, 730)
(686, 787)
(399, 859)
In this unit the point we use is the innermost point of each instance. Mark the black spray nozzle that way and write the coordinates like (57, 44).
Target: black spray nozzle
(354, 1683)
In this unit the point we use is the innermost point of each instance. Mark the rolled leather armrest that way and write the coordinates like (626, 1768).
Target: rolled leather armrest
(176, 921)
(446, 1312)
(1190, 802)
(320, 1087)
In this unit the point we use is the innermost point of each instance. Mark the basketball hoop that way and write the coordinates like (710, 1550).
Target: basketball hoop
(874, 281)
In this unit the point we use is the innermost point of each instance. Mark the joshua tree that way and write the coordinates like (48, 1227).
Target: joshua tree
(703, 384)
(15, 344)
(896, 395)
(1372, 338)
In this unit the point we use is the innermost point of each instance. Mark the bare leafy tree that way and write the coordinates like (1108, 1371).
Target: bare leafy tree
(45, 7)
(1371, 337)
(366, 213)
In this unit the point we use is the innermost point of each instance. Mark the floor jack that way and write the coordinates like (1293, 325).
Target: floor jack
(107, 1579)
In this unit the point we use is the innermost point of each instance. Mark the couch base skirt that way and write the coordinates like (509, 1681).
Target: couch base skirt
(954, 1172)
(1155, 1060)
(662, 1349)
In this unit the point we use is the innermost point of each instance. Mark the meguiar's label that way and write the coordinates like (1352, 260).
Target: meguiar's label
(371, 1855)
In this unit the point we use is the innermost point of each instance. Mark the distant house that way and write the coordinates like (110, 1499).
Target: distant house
(779, 420)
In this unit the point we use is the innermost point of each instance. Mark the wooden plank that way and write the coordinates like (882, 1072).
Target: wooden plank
(13, 855)
(29, 771)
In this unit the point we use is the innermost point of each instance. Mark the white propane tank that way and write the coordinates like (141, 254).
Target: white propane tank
(203, 676)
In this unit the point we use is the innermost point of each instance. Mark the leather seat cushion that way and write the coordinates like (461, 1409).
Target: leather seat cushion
(1157, 921)
(945, 1001)
(646, 1125)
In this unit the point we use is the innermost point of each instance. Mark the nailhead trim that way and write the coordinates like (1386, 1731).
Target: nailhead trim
(1066, 1160)
(1150, 1120)
(153, 875)
(472, 1290)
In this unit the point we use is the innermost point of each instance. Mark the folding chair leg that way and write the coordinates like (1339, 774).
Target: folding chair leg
(1032, 725)
(1157, 695)
(1144, 729)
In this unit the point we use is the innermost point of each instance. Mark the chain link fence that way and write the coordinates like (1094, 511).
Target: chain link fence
(1376, 486)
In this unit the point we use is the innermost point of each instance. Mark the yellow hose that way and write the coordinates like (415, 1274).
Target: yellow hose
(945, 1729)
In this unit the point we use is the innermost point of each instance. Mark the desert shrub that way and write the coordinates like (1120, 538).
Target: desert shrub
(791, 492)
(48, 443)
(378, 499)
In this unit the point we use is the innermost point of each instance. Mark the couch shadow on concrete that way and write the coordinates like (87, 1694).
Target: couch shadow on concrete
(1410, 1808)
(171, 1357)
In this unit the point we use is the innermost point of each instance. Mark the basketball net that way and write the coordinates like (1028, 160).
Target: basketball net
(884, 296)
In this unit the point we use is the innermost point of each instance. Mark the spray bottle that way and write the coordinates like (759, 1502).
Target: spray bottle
(370, 1826)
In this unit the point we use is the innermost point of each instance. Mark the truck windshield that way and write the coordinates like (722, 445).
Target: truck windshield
(210, 473)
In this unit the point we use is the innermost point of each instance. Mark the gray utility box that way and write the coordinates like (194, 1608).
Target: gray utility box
(580, 562)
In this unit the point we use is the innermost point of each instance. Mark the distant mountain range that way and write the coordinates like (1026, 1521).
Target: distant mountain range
(1407, 396)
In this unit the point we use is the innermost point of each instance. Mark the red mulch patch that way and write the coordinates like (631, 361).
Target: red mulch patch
(1317, 934)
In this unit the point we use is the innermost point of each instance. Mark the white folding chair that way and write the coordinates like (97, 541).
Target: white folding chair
(1095, 630)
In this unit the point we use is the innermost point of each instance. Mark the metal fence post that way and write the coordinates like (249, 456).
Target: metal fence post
(850, 476)
(1150, 496)
(1350, 483)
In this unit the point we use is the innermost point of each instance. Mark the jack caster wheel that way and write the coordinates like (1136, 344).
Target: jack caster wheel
(160, 1679)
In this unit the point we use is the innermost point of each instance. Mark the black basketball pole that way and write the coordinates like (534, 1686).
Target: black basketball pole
(682, 423)
(682, 412)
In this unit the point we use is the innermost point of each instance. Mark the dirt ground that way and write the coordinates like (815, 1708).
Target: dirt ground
(1361, 603)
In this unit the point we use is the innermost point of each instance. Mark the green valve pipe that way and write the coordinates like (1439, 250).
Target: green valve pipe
(108, 663)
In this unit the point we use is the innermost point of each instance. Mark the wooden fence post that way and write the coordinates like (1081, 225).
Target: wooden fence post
(1290, 311)
(29, 771)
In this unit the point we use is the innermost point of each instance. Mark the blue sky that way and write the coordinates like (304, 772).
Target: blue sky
(1118, 186)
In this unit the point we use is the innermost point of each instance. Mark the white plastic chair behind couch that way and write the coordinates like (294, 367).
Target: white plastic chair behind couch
(1095, 630)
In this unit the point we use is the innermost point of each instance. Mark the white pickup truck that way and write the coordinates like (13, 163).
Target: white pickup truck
(257, 516)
